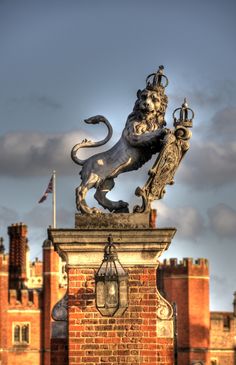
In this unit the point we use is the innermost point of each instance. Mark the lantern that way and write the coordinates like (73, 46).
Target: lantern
(111, 283)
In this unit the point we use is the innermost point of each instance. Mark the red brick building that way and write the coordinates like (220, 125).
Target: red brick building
(29, 291)
(26, 301)
(202, 335)
(223, 338)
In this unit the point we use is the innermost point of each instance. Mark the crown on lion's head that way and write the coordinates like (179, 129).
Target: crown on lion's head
(151, 103)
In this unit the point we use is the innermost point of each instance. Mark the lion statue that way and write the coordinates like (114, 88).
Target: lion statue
(144, 135)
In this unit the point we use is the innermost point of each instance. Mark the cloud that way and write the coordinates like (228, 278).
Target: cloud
(35, 154)
(209, 165)
(215, 95)
(7, 216)
(223, 125)
(41, 216)
(219, 93)
(36, 100)
(219, 280)
(188, 221)
(38, 220)
(211, 161)
(222, 221)
(221, 292)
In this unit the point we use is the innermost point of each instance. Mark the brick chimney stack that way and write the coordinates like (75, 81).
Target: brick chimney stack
(234, 304)
(17, 256)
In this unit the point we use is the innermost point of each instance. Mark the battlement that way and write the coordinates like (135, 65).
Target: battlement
(24, 298)
(186, 261)
(187, 265)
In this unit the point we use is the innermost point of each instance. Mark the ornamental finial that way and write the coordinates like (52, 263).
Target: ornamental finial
(184, 118)
(157, 79)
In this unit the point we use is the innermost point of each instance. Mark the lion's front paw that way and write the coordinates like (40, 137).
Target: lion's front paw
(122, 207)
(95, 210)
(123, 204)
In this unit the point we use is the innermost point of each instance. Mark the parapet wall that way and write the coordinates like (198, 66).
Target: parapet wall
(23, 299)
(186, 266)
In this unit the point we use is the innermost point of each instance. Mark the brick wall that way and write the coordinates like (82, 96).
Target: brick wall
(19, 307)
(24, 307)
(128, 340)
(31, 353)
(59, 351)
(50, 294)
(222, 338)
(3, 307)
(187, 283)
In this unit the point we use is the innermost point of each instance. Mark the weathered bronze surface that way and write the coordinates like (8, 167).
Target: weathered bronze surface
(144, 135)
(163, 171)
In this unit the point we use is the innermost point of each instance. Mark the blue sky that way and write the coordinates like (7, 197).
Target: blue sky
(63, 61)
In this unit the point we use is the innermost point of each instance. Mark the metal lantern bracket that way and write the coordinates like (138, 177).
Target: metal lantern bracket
(111, 283)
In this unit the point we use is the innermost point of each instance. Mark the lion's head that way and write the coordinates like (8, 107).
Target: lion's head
(150, 108)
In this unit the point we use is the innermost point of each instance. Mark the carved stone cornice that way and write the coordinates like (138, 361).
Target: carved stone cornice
(85, 247)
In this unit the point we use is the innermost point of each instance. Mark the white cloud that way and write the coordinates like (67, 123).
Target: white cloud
(34, 153)
(223, 126)
(41, 216)
(211, 161)
(222, 220)
(188, 221)
(209, 165)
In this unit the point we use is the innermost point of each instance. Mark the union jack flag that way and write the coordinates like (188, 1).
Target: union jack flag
(47, 191)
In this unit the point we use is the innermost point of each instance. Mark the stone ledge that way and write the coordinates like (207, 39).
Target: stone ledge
(85, 248)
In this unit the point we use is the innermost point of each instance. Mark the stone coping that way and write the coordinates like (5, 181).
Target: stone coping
(85, 248)
(113, 220)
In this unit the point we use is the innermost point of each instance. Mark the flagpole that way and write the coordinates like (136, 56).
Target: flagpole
(54, 200)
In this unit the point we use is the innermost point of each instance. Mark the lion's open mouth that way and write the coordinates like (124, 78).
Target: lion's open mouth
(147, 111)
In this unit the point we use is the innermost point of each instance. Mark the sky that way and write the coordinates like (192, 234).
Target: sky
(64, 61)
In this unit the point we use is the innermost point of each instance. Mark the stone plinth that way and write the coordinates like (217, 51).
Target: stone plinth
(110, 220)
(144, 334)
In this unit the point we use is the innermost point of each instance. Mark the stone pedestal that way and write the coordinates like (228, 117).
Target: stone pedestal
(144, 334)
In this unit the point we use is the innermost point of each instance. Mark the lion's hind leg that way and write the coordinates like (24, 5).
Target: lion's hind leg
(81, 192)
(100, 195)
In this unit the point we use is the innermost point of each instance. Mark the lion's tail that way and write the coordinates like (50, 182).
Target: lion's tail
(86, 143)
